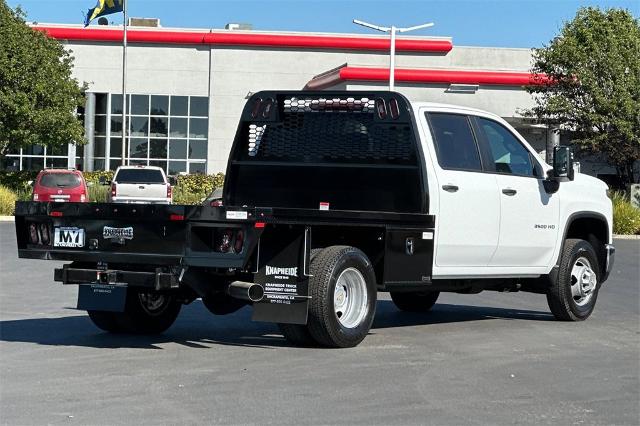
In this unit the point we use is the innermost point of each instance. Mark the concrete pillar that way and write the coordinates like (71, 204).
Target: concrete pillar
(553, 140)
(89, 127)
(71, 155)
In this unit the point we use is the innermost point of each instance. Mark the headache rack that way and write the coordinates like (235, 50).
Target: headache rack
(353, 150)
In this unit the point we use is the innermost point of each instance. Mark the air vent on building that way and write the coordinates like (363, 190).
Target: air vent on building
(144, 22)
(238, 26)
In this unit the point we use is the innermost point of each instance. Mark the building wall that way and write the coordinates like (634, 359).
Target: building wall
(227, 74)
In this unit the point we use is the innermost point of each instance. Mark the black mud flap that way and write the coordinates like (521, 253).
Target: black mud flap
(102, 297)
(283, 261)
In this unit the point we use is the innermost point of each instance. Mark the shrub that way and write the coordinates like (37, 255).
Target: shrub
(7, 201)
(626, 218)
(17, 181)
(191, 189)
(181, 196)
(94, 177)
(98, 193)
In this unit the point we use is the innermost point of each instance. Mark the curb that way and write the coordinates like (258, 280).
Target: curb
(626, 237)
(6, 219)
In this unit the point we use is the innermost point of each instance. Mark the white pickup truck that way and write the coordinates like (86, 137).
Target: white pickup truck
(140, 184)
(330, 198)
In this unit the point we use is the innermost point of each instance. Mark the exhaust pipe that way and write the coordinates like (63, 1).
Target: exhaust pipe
(245, 291)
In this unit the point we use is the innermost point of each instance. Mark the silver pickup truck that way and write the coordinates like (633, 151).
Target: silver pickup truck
(140, 184)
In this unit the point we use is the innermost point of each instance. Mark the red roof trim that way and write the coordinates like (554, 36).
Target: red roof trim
(500, 78)
(247, 39)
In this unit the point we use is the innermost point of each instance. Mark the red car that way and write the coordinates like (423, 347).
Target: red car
(60, 185)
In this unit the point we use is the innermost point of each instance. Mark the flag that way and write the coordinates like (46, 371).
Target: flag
(103, 7)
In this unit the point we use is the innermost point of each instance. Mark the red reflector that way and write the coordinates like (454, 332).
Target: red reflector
(176, 217)
(55, 214)
(259, 225)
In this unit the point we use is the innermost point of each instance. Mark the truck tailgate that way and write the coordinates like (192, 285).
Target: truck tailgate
(142, 191)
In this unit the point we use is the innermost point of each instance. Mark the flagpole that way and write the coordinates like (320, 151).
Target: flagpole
(124, 84)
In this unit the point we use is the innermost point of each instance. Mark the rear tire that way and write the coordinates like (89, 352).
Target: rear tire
(421, 301)
(105, 321)
(144, 313)
(573, 295)
(343, 297)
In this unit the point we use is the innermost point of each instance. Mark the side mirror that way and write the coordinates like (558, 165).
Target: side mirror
(562, 163)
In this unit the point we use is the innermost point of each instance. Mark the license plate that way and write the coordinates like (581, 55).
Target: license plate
(68, 237)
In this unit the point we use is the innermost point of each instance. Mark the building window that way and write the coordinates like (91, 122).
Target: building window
(166, 131)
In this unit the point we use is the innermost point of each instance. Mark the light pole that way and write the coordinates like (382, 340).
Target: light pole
(392, 30)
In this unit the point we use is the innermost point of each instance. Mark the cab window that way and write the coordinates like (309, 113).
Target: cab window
(507, 153)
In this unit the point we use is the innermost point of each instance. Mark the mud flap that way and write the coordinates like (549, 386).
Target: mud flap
(283, 265)
(102, 297)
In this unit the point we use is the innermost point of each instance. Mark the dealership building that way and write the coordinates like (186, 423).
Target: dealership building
(187, 87)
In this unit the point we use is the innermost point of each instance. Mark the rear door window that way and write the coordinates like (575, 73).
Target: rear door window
(139, 176)
(456, 146)
(60, 180)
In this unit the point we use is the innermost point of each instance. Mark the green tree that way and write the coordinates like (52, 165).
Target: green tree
(594, 66)
(38, 96)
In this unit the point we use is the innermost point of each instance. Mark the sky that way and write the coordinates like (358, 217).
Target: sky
(500, 23)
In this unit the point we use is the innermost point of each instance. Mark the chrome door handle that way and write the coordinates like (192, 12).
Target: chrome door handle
(450, 188)
(509, 191)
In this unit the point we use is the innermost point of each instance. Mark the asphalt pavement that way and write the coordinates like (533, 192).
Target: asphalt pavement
(491, 358)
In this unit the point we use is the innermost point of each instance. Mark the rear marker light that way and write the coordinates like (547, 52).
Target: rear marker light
(394, 110)
(176, 217)
(56, 214)
(266, 111)
(381, 108)
(256, 108)
(259, 225)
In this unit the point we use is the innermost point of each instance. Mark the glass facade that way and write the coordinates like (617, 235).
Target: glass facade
(164, 130)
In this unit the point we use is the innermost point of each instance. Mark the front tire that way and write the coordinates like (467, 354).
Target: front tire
(343, 297)
(572, 297)
(418, 301)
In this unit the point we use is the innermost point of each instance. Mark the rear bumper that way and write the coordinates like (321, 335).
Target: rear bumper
(157, 280)
(610, 253)
(126, 200)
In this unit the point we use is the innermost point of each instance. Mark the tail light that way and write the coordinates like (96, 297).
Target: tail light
(229, 241)
(35, 196)
(113, 190)
(168, 190)
(45, 235)
(33, 233)
(83, 198)
(216, 203)
(237, 245)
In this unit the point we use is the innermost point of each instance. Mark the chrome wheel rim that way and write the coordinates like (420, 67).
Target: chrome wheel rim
(153, 304)
(350, 301)
(583, 281)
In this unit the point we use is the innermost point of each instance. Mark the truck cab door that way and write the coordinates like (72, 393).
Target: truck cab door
(468, 212)
(529, 215)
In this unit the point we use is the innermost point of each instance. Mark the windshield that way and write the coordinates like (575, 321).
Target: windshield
(139, 176)
(60, 180)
